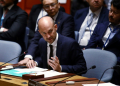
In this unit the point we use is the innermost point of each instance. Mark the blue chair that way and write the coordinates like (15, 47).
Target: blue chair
(103, 60)
(26, 37)
(9, 50)
(76, 35)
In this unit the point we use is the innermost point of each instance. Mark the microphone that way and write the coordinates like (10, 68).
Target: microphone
(93, 67)
(11, 60)
(117, 69)
(14, 58)
(114, 67)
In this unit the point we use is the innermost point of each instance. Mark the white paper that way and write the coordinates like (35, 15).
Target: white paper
(101, 84)
(62, 1)
(32, 70)
(49, 73)
(7, 67)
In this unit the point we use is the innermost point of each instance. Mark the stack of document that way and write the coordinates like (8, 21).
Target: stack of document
(32, 71)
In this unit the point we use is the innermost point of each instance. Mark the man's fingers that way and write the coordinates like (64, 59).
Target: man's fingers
(31, 64)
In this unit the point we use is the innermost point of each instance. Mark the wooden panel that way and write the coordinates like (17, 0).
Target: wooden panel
(30, 3)
(21, 4)
(67, 6)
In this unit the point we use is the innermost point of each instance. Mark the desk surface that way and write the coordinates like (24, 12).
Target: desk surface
(18, 81)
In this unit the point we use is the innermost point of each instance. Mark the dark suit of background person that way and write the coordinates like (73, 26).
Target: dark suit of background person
(68, 52)
(96, 40)
(77, 5)
(65, 25)
(112, 46)
(33, 18)
(81, 15)
(15, 21)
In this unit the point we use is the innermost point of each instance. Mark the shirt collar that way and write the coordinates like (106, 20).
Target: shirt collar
(97, 13)
(9, 8)
(55, 16)
(113, 26)
(55, 42)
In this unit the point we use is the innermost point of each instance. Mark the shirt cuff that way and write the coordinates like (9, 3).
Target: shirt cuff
(1, 29)
(28, 56)
(36, 63)
(61, 68)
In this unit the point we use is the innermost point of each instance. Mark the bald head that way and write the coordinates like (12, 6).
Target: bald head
(45, 21)
(47, 29)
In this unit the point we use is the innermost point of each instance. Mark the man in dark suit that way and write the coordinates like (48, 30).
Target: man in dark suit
(81, 18)
(37, 12)
(64, 22)
(13, 21)
(66, 53)
(106, 35)
(77, 5)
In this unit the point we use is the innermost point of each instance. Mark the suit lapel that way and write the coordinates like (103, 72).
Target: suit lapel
(59, 46)
(102, 15)
(101, 31)
(104, 30)
(10, 13)
(58, 19)
(1, 13)
(114, 39)
(82, 18)
(44, 54)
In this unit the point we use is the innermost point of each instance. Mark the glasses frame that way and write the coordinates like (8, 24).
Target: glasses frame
(52, 5)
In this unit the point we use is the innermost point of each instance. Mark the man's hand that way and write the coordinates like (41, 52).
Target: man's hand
(83, 48)
(31, 64)
(54, 63)
(4, 30)
(24, 61)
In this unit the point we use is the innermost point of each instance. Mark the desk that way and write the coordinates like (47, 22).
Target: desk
(18, 81)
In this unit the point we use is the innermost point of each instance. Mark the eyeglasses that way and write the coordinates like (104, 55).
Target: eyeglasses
(47, 7)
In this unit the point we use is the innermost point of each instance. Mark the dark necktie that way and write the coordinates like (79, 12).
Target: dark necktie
(51, 55)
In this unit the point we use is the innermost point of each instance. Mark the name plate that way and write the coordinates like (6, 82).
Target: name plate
(34, 83)
(29, 76)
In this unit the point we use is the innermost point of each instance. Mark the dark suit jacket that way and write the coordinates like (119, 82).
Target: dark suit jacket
(96, 40)
(33, 18)
(65, 24)
(15, 21)
(69, 53)
(81, 15)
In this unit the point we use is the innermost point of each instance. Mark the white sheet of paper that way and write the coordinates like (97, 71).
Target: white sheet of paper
(101, 84)
(49, 73)
(63, 1)
(32, 70)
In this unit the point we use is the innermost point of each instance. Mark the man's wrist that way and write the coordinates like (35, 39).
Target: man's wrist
(1, 29)
(28, 56)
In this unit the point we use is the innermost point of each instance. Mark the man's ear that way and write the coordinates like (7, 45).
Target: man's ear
(59, 5)
(55, 26)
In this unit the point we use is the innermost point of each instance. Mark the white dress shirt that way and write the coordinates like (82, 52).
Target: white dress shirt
(107, 33)
(41, 14)
(29, 56)
(54, 44)
(87, 34)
